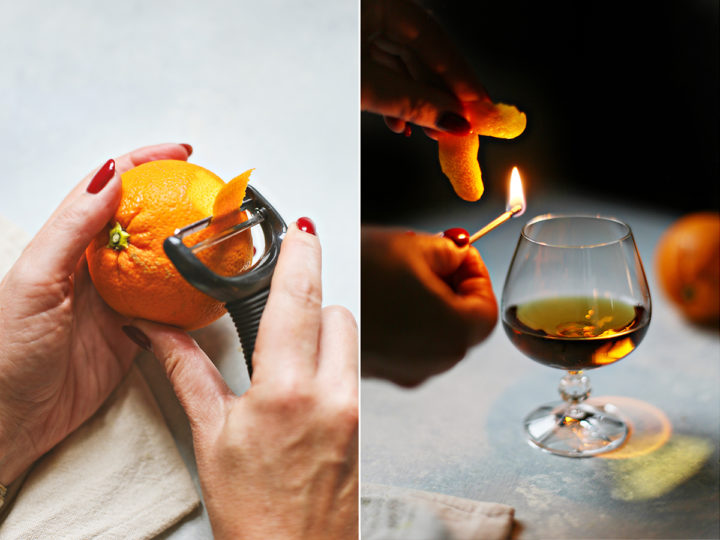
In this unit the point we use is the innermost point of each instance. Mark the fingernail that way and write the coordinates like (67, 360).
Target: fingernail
(458, 235)
(102, 177)
(188, 148)
(407, 131)
(137, 336)
(306, 225)
(410, 233)
(453, 123)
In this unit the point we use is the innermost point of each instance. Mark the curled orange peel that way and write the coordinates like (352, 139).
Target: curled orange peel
(458, 153)
(231, 195)
(497, 120)
(458, 160)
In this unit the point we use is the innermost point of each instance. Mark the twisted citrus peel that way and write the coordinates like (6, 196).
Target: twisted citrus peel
(231, 195)
(458, 153)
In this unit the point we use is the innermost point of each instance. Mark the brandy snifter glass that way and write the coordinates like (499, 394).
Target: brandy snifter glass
(576, 298)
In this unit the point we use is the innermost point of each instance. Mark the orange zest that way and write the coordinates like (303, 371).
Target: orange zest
(458, 160)
(458, 153)
(231, 195)
(497, 120)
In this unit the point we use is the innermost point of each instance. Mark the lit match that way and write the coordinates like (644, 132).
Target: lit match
(515, 206)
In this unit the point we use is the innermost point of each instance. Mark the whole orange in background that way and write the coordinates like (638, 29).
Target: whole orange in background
(127, 262)
(688, 265)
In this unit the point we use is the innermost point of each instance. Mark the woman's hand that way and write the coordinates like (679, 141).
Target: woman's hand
(61, 349)
(411, 71)
(425, 301)
(280, 461)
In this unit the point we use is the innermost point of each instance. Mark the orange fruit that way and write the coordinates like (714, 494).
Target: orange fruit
(127, 262)
(688, 265)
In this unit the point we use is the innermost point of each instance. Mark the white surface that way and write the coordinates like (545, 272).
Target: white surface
(271, 85)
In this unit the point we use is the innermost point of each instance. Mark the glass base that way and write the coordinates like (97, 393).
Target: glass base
(575, 430)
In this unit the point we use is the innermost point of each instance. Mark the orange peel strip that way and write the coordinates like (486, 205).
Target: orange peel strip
(458, 160)
(458, 153)
(231, 195)
(495, 119)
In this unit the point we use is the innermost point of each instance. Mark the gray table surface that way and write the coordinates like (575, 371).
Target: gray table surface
(272, 85)
(461, 432)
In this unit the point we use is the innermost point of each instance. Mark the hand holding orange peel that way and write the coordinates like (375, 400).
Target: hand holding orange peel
(458, 153)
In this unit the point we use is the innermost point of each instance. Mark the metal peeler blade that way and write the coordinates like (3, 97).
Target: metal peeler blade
(244, 294)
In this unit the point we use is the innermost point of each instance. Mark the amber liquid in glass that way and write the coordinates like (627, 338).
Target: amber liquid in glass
(576, 333)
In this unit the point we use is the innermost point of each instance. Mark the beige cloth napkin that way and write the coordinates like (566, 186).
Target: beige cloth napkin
(394, 513)
(119, 475)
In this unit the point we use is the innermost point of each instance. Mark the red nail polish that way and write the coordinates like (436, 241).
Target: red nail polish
(102, 177)
(453, 123)
(188, 148)
(458, 235)
(137, 337)
(306, 225)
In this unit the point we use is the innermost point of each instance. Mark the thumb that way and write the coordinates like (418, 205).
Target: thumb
(197, 383)
(475, 298)
(61, 242)
(442, 256)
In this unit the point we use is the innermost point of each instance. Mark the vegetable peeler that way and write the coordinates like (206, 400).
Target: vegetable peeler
(245, 294)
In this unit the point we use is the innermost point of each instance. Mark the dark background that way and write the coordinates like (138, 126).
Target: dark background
(621, 99)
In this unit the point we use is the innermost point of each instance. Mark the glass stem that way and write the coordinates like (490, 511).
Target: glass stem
(574, 389)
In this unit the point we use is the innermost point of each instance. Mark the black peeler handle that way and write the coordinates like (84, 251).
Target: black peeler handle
(246, 315)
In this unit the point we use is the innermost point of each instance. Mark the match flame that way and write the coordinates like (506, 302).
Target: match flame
(517, 195)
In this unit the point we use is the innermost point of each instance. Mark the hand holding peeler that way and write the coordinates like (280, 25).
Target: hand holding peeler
(245, 294)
